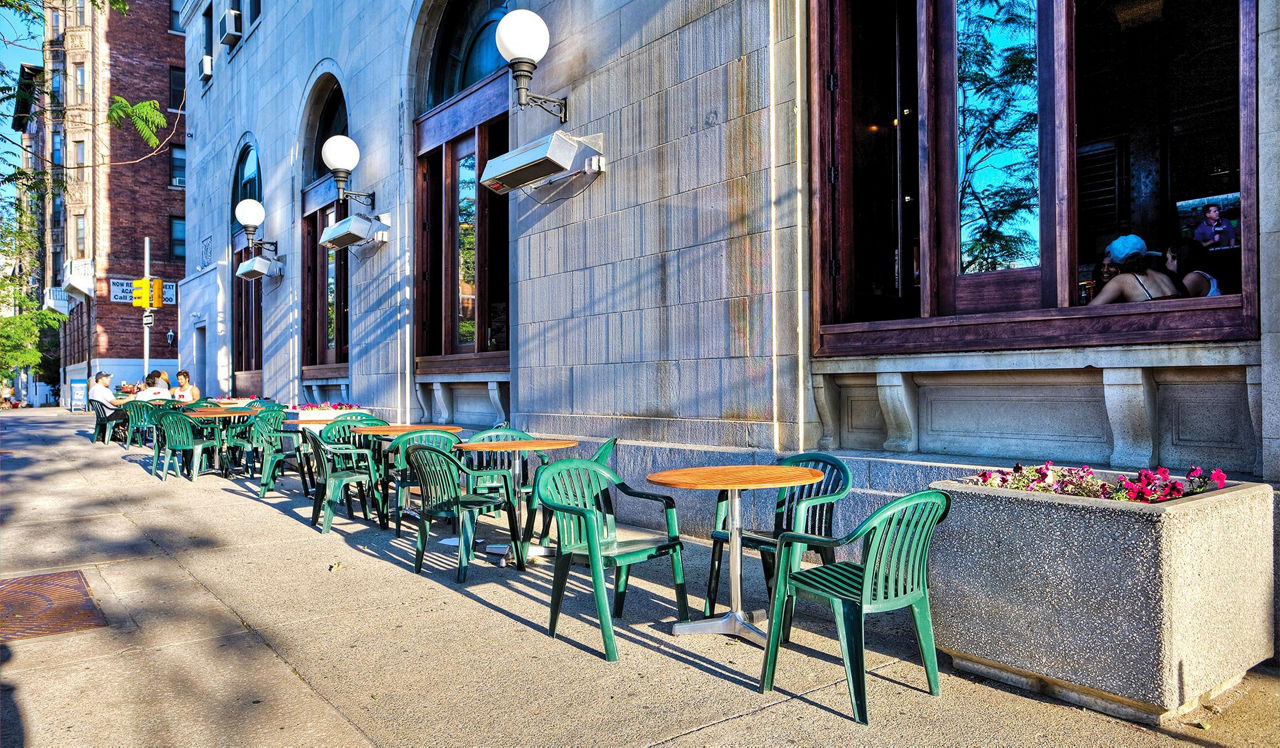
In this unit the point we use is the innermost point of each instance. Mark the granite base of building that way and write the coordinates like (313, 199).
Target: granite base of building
(1136, 610)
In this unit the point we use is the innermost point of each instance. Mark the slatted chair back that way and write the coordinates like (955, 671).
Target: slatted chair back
(179, 430)
(260, 403)
(895, 549)
(605, 451)
(437, 474)
(138, 412)
(441, 440)
(578, 491)
(203, 402)
(351, 416)
(265, 431)
(496, 460)
(339, 432)
(100, 420)
(818, 498)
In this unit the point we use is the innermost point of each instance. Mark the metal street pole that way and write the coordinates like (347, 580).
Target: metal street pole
(146, 329)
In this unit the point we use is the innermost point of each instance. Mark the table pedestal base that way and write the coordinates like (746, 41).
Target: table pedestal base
(732, 623)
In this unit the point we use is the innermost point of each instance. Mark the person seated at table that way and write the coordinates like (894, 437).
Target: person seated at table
(155, 389)
(185, 391)
(101, 392)
(1141, 277)
(1186, 260)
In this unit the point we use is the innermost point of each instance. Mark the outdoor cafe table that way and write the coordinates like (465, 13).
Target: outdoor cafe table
(221, 418)
(519, 445)
(390, 431)
(733, 479)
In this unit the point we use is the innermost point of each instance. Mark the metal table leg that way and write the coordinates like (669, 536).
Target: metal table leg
(734, 622)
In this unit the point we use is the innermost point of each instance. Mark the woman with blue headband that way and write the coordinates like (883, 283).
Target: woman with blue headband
(1141, 277)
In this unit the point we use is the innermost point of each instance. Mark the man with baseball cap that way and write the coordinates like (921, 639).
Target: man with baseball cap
(101, 391)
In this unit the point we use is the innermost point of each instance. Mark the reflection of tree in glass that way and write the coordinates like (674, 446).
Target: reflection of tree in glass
(998, 133)
(466, 323)
(331, 307)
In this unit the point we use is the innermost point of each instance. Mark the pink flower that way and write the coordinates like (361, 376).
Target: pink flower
(1163, 473)
(1195, 472)
(1218, 477)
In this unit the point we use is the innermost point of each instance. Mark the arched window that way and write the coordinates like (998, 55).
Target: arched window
(465, 52)
(246, 296)
(325, 321)
(461, 290)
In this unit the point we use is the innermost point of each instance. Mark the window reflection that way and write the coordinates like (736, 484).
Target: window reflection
(998, 135)
(465, 300)
(331, 288)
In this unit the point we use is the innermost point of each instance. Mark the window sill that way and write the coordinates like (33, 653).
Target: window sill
(492, 361)
(178, 33)
(1170, 321)
(326, 371)
(177, 189)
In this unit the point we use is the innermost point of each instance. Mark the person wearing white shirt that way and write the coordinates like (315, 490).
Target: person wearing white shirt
(101, 392)
(155, 389)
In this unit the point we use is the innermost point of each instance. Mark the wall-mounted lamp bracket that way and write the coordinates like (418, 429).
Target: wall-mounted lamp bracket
(522, 74)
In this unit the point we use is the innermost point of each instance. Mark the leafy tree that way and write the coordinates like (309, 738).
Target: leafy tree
(998, 130)
(20, 256)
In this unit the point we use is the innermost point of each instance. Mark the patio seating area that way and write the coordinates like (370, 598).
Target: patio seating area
(232, 619)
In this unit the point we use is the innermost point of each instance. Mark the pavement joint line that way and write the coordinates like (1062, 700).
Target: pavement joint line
(771, 705)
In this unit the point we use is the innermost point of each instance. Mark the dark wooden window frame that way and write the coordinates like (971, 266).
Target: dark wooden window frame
(1034, 307)
(468, 114)
(319, 361)
(246, 313)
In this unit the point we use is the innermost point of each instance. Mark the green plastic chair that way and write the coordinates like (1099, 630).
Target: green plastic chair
(579, 492)
(352, 416)
(439, 478)
(799, 508)
(204, 402)
(259, 440)
(600, 457)
(260, 403)
(397, 466)
(893, 574)
(605, 452)
(101, 426)
(180, 437)
(140, 426)
(332, 484)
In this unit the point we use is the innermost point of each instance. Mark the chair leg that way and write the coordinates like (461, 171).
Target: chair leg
(602, 608)
(924, 637)
(317, 501)
(780, 596)
(620, 576)
(766, 561)
(849, 629)
(677, 575)
(466, 542)
(557, 590)
(713, 579)
(547, 517)
(331, 498)
(424, 532)
(364, 501)
(517, 541)
(165, 473)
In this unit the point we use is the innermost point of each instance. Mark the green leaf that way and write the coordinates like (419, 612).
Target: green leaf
(145, 116)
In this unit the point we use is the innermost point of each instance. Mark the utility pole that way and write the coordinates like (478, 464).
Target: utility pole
(146, 314)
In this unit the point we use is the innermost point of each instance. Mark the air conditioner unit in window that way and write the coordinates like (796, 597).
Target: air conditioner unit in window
(206, 67)
(229, 28)
(178, 181)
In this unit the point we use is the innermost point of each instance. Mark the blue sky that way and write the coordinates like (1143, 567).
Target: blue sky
(10, 58)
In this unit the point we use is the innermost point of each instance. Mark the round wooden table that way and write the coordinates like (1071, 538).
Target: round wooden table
(396, 429)
(521, 445)
(221, 417)
(733, 479)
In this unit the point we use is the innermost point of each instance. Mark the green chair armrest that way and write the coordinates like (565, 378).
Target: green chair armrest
(668, 505)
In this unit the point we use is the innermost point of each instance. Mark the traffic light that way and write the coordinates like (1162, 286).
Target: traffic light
(140, 292)
(157, 293)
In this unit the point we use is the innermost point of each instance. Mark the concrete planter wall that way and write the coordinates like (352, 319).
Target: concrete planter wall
(1136, 610)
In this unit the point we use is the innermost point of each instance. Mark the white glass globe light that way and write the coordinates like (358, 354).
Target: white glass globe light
(249, 212)
(340, 152)
(522, 35)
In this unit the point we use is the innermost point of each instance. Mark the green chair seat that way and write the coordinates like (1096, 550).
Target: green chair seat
(892, 575)
(626, 552)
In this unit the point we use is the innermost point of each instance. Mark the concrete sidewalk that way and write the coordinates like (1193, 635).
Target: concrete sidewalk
(234, 622)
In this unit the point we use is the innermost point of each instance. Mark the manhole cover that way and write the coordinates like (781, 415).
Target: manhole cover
(46, 604)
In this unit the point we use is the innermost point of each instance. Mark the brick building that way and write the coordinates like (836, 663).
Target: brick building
(118, 192)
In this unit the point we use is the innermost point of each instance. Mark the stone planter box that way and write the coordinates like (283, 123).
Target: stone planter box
(1135, 610)
(318, 413)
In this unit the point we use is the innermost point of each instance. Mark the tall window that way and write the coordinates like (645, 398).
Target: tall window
(175, 14)
(177, 237)
(246, 296)
(177, 88)
(252, 9)
(81, 173)
(80, 236)
(55, 87)
(81, 19)
(324, 271)
(57, 149)
(462, 292)
(985, 172)
(80, 83)
(207, 19)
(178, 165)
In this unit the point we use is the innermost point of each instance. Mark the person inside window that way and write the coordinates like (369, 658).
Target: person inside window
(155, 389)
(1213, 232)
(1141, 276)
(185, 391)
(101, 391)
(1187, 260)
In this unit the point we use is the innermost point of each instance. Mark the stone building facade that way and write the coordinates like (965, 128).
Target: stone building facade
(679, 300)
(118, 191)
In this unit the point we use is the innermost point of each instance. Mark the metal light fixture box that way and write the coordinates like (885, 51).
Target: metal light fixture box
(354, 230)
(529, 163)
(259, 267)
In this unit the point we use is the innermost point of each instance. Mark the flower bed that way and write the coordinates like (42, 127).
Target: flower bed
(1149, 487)
(1137, 605)
(326, 406)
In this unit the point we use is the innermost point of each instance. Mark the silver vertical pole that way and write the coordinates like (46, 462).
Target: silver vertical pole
(146, 330)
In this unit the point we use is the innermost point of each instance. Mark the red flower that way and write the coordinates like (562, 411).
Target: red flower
(1219, 477)
(1162, 473)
